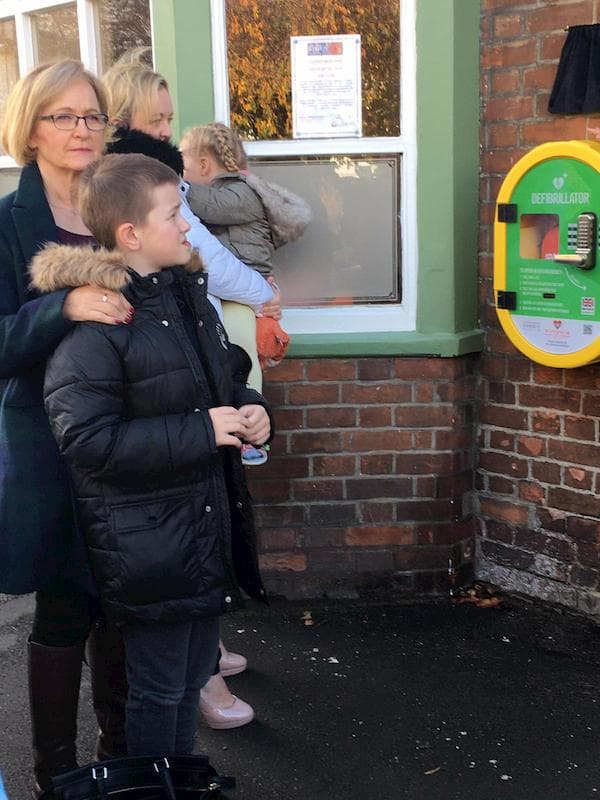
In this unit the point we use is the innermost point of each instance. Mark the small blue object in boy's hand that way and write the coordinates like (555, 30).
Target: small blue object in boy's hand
(3, 795)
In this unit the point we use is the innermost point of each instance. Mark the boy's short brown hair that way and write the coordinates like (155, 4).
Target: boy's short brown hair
(118, 188)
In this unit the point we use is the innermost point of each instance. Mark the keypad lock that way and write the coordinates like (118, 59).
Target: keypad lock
(584, 256)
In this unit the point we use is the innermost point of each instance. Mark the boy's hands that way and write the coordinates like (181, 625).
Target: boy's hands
(258, 425)
(227, 422)
(232, 426)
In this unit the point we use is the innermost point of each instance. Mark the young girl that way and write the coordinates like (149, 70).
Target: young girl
(251, 217)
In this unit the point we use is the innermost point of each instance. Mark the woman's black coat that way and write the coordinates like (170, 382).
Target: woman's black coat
(166, 513)
(36, 518)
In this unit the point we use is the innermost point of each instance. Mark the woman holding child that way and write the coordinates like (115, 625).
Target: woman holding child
(54, 126)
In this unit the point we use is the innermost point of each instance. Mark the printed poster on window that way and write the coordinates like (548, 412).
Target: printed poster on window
(326, 86)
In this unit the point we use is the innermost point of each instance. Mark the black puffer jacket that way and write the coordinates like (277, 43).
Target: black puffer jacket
(166, 514)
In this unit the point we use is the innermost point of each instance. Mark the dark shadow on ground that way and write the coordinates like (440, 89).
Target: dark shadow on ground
(382, 702)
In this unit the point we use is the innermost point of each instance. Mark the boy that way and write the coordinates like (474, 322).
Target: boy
(148, 416)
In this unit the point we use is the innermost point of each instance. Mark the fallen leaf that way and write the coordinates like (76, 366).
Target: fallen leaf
(432, 771)
(488, 602)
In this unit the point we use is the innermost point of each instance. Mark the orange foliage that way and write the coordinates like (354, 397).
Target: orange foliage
(258, 37)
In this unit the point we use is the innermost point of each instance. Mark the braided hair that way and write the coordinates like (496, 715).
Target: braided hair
(221, 142)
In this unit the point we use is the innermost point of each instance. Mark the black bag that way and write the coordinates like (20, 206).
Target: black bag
(141, 778)
(576, 87)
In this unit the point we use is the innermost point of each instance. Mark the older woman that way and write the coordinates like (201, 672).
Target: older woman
(141, 108)
(54, 126)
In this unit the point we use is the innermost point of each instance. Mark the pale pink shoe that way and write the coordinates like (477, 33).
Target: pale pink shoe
(231, 663)
(234, 716)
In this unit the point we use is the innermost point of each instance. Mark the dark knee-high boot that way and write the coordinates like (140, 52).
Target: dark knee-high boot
(106, 657)
(54, 679)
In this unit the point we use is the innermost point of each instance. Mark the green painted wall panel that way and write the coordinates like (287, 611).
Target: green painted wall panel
(183, 54)
(448, 163)
(466, 162)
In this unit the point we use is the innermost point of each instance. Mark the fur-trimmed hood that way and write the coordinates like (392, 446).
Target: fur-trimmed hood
(60, 266)
(288, 214)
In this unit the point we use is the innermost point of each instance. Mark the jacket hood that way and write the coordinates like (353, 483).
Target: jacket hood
(60, 266)
(130, 140)
(288, 214)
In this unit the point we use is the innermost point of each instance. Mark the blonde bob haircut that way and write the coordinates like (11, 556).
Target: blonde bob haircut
(35, 91)
(131, 86)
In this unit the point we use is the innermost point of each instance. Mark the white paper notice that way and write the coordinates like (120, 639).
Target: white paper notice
(326, 86)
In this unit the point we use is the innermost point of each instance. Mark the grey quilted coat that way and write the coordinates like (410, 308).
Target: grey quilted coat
(250, 216)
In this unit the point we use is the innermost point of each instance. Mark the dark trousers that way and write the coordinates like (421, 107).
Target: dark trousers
(167, 665)
(63, 614)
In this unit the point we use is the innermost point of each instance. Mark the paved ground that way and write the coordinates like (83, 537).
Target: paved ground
(383, 702)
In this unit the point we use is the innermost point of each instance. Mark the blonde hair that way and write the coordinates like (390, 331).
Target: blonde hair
(132, 86)
(221, 142)
(119, 188)
(33, 92)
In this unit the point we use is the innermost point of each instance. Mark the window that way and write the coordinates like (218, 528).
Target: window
(96, 31)
(9, 60)
(259, 33)
(355, 202)
(55, 33)
(122, 25)
(355, 268)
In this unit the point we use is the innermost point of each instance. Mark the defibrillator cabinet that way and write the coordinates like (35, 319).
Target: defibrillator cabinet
(546, 259)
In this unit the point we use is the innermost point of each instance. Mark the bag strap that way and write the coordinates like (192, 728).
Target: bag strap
(109, 779)
(162, 767)
(100, 775)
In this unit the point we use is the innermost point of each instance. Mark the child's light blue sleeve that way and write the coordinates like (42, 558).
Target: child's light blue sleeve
(3, 795)
(228, 277)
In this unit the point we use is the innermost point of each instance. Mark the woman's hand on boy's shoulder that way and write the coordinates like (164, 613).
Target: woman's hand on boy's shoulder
(93, 304)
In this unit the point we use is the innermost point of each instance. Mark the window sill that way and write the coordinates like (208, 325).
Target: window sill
(445, 345)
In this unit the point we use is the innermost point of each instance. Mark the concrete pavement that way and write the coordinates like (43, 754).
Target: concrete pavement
(382, 701)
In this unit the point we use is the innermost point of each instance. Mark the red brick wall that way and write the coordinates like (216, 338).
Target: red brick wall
(538, 484)
(369, 476)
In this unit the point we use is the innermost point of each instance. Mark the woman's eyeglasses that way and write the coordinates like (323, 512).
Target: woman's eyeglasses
(68, 122)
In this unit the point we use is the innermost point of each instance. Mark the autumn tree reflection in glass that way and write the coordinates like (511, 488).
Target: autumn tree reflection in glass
(258, 49)
(55, 33)
(9, 59)
(124, 25)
